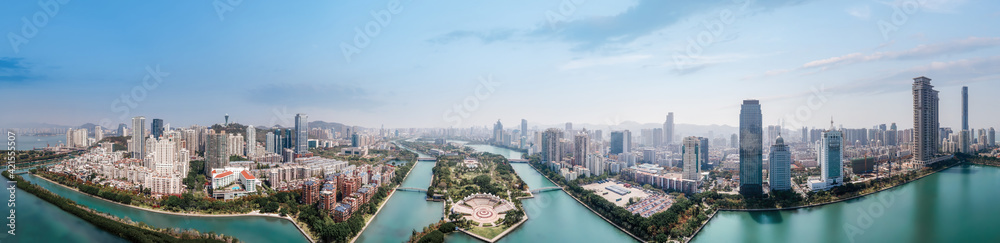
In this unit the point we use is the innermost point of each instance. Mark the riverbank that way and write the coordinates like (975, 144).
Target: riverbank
(843, 199)
(585, 205)
(251, 214)
(123, 228)
(384, 202)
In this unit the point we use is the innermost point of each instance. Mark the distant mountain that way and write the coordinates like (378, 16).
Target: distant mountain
(326, 125)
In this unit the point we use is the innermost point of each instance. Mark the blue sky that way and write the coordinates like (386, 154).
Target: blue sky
(598, 62)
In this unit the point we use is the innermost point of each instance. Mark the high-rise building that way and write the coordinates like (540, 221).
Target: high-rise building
(301, 133)
(992, 138)
(286, 140)
(122, 130)
(734, 141)
(581, 147)
(191, 140)
(621, 142)
(668, 129)
(780, 166)
(964, 140)
(251, 142)
(830, 155)
(925, 120)
(138, 148)
(704, 153)
(892, 136)
(751, 149)
(498, 132)
(269, 142)
(160, 156)
(98, 134)
(691, 155)
(658, 137)
(805, 135)
(524, 134)
(965, 107)
(551, 151)
(216, 151)
(157, 128)
(569, 126)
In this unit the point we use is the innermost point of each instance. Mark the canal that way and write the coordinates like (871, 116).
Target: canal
(37, 220)
(958, 204)
(245, 228)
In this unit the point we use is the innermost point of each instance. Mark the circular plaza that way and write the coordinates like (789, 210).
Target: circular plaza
(483, 209)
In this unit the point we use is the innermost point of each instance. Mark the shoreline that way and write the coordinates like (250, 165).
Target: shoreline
(821, 204)
(563, 190)
(386, 201)
(250, 214)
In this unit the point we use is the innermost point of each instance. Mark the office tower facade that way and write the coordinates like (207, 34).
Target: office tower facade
(658, 137)
(892, 136)
(251, 143)
(156, 128)
(734, 141)
(830, 155)
(581, 148)
(780, 166)
(138, 148)
(925, 120)
(621, 142)
(751, 149)
(498, 132)
(704, 153)
(301, 133)
(286, 140)
(668, 129)
(991, 138)
(569, 126)
(216, 151)
(965, 107)
(964, 140)
(551, 151)
(691, 155)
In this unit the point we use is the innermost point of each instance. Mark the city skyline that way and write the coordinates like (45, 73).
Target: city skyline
(501, 57)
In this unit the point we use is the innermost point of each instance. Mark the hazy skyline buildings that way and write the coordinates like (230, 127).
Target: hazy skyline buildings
(668, 129)
(551, 149)
(751, 149)
(156, 128)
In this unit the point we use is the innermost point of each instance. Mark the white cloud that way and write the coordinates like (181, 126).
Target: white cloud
(918, 52)
(860, 12)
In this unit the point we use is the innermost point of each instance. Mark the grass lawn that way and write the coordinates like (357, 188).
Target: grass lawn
(488, 232)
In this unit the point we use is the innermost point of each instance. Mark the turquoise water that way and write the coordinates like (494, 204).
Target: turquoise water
(955, 205)
(245, 228)
(39, 221)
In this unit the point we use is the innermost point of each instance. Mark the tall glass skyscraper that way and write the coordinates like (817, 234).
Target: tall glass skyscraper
(301, 133)
(751, 149)
(157, 128)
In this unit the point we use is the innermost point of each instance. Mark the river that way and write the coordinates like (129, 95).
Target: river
(39, 221)
(245, 228)
(958, 204)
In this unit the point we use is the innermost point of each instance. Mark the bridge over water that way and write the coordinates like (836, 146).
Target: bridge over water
(411, 189)
(545, 189)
